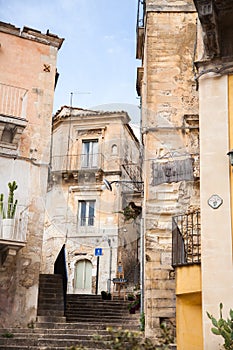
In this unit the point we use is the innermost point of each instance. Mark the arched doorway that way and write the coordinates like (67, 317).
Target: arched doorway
(83, 277)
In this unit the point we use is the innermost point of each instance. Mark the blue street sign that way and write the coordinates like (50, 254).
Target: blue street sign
(98, 251)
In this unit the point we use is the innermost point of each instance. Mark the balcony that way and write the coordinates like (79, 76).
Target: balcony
(12, 232)
(78, 167)
(140, 29)
(186, 239)
(133, 172)
(13, 102)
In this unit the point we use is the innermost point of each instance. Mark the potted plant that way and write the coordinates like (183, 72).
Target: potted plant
(137, 304)
(132, 308)
(130, 297)
(105, 295)
(8, 213)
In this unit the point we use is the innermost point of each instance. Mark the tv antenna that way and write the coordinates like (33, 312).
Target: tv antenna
(77, 93)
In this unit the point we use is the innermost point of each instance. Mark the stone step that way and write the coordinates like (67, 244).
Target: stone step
(50, 284)
(70, 326)
(19, 332)
(50, 293)
(59, 313)
(53, 319)
(94, 318)
(56, 306)
(13, 347)
(53, 343)
(112, 304)
(97, 311)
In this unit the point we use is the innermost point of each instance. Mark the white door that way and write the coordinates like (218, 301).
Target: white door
(83, 277)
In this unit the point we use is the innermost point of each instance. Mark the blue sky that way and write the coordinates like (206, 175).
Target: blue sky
(97, 60)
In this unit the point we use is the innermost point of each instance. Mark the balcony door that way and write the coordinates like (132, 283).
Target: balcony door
(83, 277)
(90, 154)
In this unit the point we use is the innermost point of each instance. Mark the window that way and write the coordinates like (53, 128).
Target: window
(86, 213)
(90, 154)
(7, 134)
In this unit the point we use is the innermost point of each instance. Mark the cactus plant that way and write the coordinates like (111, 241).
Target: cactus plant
(11, 206)
(2, 211)
(223, 327)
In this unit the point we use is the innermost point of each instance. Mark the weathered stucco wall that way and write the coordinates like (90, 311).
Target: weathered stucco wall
(216, 223)
(169, 103)
(23, 58)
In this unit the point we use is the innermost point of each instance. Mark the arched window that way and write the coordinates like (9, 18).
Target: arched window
(114, 150)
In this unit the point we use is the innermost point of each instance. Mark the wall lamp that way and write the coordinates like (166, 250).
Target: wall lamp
(108, 184)
(230, 154)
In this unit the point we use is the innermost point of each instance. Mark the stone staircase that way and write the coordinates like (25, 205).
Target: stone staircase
(83, 324)
(51, 304)
(92, 309)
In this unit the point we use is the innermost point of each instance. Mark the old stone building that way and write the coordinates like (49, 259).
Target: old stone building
(92, 150)
(166, 42)
(27, 83)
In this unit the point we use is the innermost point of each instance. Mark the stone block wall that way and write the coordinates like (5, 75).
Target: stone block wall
(169, 99)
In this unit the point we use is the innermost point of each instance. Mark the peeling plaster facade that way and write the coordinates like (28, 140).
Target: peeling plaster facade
(215, 74)
(88, 147)
(27, 82)
(166, 40)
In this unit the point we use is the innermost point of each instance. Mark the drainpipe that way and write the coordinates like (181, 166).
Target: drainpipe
(110, 266)
(142, 264)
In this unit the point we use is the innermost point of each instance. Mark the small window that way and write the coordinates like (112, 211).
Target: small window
(86, 213)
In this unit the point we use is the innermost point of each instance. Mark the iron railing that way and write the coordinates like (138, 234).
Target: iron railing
(186, 239)
(132, 172)
(13, 101)
(77, 162)
(87, 221)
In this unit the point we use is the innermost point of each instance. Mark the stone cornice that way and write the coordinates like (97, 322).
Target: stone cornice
(32, 34)
(170, 6)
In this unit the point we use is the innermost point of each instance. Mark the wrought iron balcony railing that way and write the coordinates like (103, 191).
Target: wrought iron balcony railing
(186, 239)
(13, 101)
(133, 173)
(77, 162)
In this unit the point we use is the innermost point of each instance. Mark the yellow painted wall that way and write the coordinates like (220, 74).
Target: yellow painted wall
(230, 104)
(189, 308)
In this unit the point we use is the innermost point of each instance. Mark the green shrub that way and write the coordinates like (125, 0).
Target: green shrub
(8, 335)
(128, 340)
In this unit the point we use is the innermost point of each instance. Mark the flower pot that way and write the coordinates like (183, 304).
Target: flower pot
(132, 310)
(8, 228)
